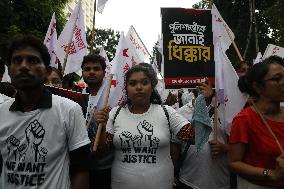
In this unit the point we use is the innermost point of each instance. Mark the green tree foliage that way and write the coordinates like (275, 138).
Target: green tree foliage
(269, 23)
(28, 17)
(107, 38)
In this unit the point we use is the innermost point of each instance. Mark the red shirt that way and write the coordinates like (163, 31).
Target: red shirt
(262, 150)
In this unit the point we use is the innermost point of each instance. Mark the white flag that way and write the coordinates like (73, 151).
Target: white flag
(136, 45)
(273, 50)
(230, 99)
(160, 44)
(6, 77)
(120, 65)
(73, 33)
(101, 5)
(108, 64)
(130, 51)
(258, 58)
(220, 29)
(50, 42)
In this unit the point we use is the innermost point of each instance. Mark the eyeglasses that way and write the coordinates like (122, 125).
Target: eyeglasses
(276, 78)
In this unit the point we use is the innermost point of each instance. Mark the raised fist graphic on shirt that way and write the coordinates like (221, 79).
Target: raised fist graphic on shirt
(146, 131)
(136, 141)
(42, 153)
(34, 135)
(22, 149)
(125, 138)
(12, 145)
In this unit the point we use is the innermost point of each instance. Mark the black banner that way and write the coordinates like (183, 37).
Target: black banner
(187, 47)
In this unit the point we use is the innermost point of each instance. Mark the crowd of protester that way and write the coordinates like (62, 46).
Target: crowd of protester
(148, 142)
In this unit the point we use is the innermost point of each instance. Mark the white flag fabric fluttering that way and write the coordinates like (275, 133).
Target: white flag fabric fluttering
(258, 58)
(50, 42)
(6, 77)
(220, 29)
(130, 51)
(73, 33)
(136, 45)
(120, 65)
(230, 98)
(108, 64)
(272, 50)
(160, 44)
(101, 5)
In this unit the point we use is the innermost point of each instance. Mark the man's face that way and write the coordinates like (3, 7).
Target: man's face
(92, 73)
(27, 70)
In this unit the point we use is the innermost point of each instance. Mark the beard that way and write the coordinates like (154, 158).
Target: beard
(27, 83)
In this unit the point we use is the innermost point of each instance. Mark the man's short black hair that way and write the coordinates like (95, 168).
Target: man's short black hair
(95, 59)
(22, 42)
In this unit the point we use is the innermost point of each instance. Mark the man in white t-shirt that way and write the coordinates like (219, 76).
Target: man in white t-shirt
(43, 139)
(93, 72)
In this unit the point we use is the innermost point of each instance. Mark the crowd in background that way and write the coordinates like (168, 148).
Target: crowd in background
(150, 141)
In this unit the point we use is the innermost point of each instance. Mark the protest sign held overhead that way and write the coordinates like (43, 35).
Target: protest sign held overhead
(187, 47)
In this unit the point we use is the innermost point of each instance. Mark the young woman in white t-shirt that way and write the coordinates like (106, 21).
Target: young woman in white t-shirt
(140, 134)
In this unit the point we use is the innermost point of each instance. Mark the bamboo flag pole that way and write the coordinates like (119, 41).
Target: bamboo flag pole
(99, 129)
(93, 29)
(70, 41)
(210, 4)
(66, 56)
(234, 44)
(268, 127)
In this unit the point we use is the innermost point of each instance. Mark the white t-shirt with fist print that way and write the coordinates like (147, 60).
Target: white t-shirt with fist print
(142, 147)
(35, 145)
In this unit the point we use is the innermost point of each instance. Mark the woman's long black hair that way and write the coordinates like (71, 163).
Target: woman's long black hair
(151, 74)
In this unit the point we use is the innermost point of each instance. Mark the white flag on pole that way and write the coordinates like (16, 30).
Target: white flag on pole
(136, 45)
(101, 5)
(230, 98)
(108, 64)
(120, 65)
(73, 32)
(220, 28)
(130, 51)
(273, 50)
(50, 42)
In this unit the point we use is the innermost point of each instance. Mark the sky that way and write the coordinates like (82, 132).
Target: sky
(144, 15)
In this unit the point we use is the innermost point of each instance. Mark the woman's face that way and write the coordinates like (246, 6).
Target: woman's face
(274, 83)
(139, 88)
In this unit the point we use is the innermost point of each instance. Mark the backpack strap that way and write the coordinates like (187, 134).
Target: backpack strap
(116, 114)
(167, 115)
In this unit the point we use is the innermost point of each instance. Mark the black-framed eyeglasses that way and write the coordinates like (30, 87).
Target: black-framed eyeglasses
(276, 78)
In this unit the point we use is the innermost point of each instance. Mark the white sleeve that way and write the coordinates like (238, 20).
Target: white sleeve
(109, 126)
(177, 121)
(77, 135)
(186, 111)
